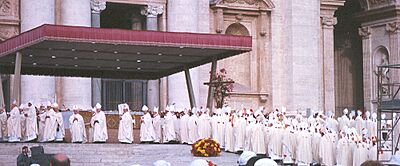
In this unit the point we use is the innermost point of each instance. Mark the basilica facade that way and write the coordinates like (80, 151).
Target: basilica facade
(306, 55)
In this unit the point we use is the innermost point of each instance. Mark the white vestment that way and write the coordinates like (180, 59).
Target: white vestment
(304, 148)
(360, 154)
(50, 126)
(327, 150)
(343, 121)
(239, 132)
(42, 118)
(359, 124)
(229, 137)
(99, 124)
(372, 128)
(14, 125)
(257, 139)
(184, 128)
(31, 129)
(157, 128)
(3, 126)
(77, 128)
(177, 127)
(345, 153)
(275, 144)
(125, 128)
(60, 132)
(204, 128)
(147, 133)
(169, 128)
(316, 140)
(192, 129)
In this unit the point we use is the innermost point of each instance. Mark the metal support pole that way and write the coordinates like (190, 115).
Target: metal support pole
(17, 78)
(190, 88)
(211, 88)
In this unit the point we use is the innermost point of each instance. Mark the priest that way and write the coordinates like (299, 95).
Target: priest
(50, 125)
(60, 132)
(192, 127)
(31, 129)
(77, 127)
(157, 126)
(3, 124)
(147, 133)
(13, 124)
(99, 125)
(169, 127)
(183, 125)
(125, 128)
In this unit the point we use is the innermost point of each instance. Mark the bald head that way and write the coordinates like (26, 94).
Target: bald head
(60, 160)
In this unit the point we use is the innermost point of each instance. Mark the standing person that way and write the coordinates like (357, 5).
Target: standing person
(125, 128)
(50, 125)
(99, 124)
(77, 127)
(31, 129)
(192, 127)
(157, 126)
(147, 133)
(23, 158)
(14, 124)
(3, 124)
(184, 127)
(169, 127)
(41, 118)
(60, 132)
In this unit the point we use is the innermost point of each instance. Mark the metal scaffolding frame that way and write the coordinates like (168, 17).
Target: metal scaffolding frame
(388, 103)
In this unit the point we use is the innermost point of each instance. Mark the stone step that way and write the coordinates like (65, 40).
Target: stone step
(115, 154)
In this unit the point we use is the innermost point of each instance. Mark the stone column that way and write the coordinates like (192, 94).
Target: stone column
(75, 90)
(153, 86)
(33, 14)
(328, 88)
(328, 21)
(365, 33)
(96, 7)
(182, 17)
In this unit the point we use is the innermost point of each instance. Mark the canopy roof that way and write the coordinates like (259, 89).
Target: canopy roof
(114, 53)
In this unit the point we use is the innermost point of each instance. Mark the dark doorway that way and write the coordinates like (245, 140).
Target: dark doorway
(122, 16)
(349, 91)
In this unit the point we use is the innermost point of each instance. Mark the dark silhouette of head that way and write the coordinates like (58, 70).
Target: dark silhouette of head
(60, 160)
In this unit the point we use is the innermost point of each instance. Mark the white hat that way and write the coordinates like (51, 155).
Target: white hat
(145, 108)
(21, 106)
(48, 104)
(246, 156)
(265, 162)
(199, 162)
(126, 106)
(55, 105)
(98, 106)
(30, 101)
(14, 102)
(167, 108)
(368, 114)
(374, 115)
(155, 109)
(161, 163)
(75, 107)
(345, 111)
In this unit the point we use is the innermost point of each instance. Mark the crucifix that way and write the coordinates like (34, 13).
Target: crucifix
(212, 84)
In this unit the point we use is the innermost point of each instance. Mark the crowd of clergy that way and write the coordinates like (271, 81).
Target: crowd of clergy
(320, 138)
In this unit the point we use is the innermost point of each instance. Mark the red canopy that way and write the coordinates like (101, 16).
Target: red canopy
(115, 53)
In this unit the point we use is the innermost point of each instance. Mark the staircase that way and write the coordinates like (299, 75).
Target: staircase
(115, 154)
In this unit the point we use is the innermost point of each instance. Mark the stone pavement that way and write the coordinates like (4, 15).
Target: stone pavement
(115, 154)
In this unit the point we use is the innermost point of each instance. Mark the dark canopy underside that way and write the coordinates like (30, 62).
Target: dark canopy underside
(114, 53)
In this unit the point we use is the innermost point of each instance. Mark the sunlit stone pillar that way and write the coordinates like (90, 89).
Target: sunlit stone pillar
(182, 17)
(75, 90)
(33, 14)
(153, 87)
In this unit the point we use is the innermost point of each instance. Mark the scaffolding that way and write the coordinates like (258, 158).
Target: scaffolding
(388, 105)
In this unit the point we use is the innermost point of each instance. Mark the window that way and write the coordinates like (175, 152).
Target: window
(114, 92)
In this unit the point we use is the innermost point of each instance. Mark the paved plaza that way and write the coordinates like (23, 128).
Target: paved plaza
(115, 154)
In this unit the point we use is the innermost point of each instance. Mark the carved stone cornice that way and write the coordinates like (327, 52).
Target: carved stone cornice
(152, 10)
(374, 4)
(328, 22)
(254, 5)
(5, 8)
(393, 27)
(97, 5)
(364, 32)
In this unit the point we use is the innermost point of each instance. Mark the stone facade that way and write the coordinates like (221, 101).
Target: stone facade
(294, 62)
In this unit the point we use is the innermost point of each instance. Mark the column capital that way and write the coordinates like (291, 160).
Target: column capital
(152, 10)
(328, 22)
(97, 5)
(364, 32)
(393, 27)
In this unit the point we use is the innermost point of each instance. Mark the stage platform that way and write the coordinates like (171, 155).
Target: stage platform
(115, 154)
